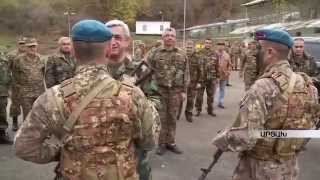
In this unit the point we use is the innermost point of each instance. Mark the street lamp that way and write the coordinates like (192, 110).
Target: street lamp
(69, 13)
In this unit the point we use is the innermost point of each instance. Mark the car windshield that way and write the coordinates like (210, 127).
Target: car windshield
(313, 48)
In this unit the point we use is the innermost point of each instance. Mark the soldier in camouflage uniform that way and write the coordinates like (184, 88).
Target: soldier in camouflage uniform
(121, 69)
(300, 60)
(139, 52)
(248, 68)
(99, 139)
(28, 75)
(209, 75)
(15, 110)
(194, 69)
(61, 65)
(120, 63)
(171, 75)
(235, 55)
(265, 107)
(4, 89)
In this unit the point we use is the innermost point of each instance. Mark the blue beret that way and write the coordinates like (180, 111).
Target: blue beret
(90, 31)
(275, 35)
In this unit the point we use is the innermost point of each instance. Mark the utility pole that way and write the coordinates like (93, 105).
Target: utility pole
(161, 14)
(69, 13)
(184, 22)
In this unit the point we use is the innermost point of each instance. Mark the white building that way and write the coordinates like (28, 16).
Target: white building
(151, 27)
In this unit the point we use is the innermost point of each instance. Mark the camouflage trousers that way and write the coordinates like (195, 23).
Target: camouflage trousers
(3, 113)
(252, 169)
(235, 61)
(15, 106)
(210, 88)
(26, 104)
(170, 101)
(144, 168)
(191, 95)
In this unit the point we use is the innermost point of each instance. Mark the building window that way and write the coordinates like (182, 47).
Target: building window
(144, 27)
(161, 27)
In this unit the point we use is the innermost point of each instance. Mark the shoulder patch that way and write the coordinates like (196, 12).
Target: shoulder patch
(67, 88)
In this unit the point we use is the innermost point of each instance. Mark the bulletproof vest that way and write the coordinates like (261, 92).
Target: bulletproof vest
(170, 68)
(292, 110)
(100, 145)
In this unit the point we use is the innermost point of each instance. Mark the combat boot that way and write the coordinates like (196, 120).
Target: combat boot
(198, 113)
(4, 138)
(211, 113)
(174, 148)
(188, 116)
(15, 126)
(161, 149)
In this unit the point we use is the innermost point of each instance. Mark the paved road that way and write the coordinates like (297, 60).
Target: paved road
(193, 138)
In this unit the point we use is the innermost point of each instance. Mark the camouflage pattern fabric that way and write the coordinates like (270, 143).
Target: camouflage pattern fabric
(305, 64)
(171, 75)
(123, 73)
(102, 144)
(170, 101)
(15, 110)
(266, 106)
(138, 54)
(5, 78)
(59, 67)
(235, 55)
(209, 74)
(3, 113)
(28, 77)
(194, 68)
(249, 68)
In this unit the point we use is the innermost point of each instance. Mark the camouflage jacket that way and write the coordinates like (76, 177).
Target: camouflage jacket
(305, 64)
(138, 54)
(194, 67)
(102, 143)
(249, 66)
(118, 71)
(171, 67)
(11, 56)
(261, 104)
(28, 75)
(5, 76)
(209, 70)
(235, 50)
(59, 68)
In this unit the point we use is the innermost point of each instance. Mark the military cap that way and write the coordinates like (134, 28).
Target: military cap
(274, 35)
(31, 42)
(90, 31)
(22, 40)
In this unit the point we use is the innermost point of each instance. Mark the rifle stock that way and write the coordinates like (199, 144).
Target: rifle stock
(217, 154)
(206, 171)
